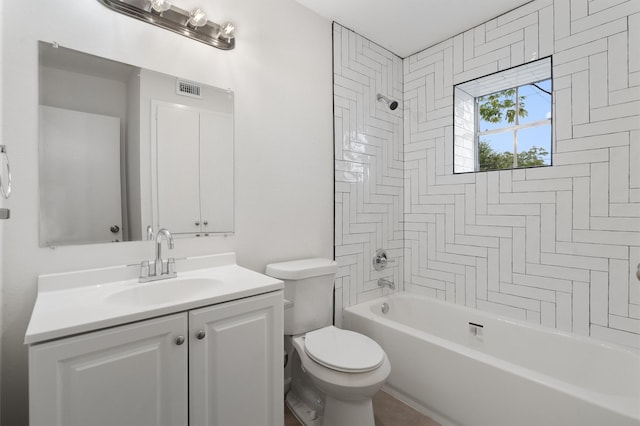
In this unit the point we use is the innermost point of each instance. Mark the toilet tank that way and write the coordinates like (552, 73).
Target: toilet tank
(308, 284)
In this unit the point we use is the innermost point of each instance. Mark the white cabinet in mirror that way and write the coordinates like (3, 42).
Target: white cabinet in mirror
(122, 148)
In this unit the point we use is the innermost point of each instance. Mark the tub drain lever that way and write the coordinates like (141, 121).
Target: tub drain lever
(475, 329)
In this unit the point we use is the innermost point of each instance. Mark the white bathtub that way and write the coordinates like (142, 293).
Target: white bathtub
(513, 374)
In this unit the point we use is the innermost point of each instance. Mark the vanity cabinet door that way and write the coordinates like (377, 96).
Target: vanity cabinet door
(132, 375)
(235, 359)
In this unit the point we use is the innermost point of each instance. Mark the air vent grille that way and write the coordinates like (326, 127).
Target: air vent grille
(188, 88)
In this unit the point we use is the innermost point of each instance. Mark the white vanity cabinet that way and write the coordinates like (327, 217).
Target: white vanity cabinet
(235, 362)
(129, 375)
(217, 365)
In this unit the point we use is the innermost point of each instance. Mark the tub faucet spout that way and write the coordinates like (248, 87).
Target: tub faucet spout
(383, 282)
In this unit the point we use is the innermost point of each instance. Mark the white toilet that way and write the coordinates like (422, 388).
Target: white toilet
(334, 372)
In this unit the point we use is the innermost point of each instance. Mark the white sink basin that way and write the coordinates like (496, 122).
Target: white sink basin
(81, 301)
(162, 292)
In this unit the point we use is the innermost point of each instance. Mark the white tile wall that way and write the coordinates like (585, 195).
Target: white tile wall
(369, 167)
(556, 245)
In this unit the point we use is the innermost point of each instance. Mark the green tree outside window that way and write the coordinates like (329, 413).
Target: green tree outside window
(502, 107)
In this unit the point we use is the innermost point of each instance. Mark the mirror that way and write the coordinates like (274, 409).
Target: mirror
(124, 151)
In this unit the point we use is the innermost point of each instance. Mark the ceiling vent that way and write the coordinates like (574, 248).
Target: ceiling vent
(188, 88)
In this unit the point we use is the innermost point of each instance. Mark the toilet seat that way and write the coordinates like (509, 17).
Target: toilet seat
(347, 395)
(343, 350)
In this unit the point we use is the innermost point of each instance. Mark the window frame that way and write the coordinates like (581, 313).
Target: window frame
(514, 128)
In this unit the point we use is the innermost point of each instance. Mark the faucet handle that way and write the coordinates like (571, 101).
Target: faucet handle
(144, 269)
(380, 260)
(171, 266)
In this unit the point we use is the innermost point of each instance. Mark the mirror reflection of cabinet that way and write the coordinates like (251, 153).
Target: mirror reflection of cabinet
(90, 86)
(188, 199)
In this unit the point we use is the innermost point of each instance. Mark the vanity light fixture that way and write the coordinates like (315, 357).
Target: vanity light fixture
(160, 6)
(227, 31)
(197, 18)
(193, 24)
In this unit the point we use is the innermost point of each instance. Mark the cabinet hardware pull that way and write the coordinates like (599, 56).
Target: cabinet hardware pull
(5, 188)
(197, 223)
(179, 340)
(200, 335)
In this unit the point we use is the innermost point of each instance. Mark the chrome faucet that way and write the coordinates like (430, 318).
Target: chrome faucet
(159, 269)
(381, 260)
(383, 282)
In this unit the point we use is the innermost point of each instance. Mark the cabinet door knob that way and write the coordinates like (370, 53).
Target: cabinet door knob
(200, 335)
(179, 340)
(206, 222)
(197, 223)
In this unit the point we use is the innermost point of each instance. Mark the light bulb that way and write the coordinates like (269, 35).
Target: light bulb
(197, 18)
(228, 30)
(160, 5)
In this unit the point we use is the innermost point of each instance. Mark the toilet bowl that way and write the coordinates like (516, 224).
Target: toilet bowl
(348, 385)
(336, 372)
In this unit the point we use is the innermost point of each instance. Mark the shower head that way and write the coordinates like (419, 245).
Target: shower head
(391, 103)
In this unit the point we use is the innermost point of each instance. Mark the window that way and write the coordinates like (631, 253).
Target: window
(503, 121)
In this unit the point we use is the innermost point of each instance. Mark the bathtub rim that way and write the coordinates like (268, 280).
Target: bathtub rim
(529, 325)
(620, 405)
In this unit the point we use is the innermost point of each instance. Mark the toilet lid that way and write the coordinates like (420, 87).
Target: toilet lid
(343, 350)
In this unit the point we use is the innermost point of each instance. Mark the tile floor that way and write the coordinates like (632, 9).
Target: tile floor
(388, 411)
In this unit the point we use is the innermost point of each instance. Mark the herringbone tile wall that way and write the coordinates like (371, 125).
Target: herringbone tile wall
(557, 246)
(369, 167)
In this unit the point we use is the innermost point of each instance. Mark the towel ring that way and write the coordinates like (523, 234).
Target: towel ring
(5, 191)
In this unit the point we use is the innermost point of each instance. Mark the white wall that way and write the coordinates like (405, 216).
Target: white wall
(1, 205)
(556, 245)
(282, 84)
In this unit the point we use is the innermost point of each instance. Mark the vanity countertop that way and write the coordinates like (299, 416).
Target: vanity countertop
(82, 301)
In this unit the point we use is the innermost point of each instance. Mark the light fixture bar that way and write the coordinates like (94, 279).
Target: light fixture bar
(174, 19)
